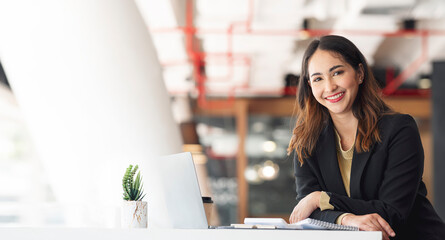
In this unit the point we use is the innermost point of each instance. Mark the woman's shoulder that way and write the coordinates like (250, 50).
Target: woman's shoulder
(395, 122)
(396, 119)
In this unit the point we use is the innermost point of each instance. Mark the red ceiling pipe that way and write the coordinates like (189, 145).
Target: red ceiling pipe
(389, 75)
(198, 59)
(230, 56)
(198, 64)
(190, 31)
(392, 86)
(297, 32)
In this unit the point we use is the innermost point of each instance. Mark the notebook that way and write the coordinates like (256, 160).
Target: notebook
(308, 223)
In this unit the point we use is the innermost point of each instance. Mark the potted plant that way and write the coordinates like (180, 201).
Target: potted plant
(134, 210)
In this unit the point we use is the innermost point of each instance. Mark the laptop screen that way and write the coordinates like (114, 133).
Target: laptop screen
(174, 198)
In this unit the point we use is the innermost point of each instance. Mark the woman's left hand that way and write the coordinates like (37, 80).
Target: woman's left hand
(305, 207)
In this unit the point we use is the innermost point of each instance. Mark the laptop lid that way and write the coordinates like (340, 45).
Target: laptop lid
(174, 198)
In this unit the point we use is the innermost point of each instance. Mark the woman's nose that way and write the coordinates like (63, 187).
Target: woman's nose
(330, 85)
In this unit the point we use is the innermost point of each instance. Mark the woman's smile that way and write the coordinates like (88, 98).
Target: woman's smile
(336, 97)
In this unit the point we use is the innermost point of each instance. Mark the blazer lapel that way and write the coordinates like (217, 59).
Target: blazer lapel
(328, 162)
(359, 161)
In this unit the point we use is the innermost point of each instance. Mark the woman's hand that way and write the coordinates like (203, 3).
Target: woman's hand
(369, 222)
(305, 207)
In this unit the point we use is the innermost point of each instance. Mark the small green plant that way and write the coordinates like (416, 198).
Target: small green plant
(132, 186)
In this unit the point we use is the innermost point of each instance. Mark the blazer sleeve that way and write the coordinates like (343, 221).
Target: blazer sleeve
(400, 181)
(306, 183)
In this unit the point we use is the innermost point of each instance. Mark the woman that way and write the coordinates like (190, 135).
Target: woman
(356, 161)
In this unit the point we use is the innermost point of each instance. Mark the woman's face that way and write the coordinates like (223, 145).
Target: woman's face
(333, 81)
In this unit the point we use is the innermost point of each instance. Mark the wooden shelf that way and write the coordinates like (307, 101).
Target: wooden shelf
(282, 107)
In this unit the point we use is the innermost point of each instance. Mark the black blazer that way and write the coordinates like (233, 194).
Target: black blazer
(386, 180)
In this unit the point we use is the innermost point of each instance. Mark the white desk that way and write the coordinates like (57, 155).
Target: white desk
(195, 234)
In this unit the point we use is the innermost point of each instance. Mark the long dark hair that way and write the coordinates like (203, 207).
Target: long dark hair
(368, 106)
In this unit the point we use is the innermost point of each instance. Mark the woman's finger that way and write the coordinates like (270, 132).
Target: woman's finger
(385, 225)
(384, 235)
(367, 227)
(375, 223)
(378, 227)
(371, 226)
(297, 217)
(293, 217)
(382, 225)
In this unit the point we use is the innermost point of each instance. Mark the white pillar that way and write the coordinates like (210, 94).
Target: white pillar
(86, 75)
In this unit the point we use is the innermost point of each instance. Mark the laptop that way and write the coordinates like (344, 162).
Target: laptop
(173, 195)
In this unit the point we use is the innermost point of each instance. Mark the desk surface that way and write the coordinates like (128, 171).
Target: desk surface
(195, 234)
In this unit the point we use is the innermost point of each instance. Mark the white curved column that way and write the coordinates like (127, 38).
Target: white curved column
(86, 75)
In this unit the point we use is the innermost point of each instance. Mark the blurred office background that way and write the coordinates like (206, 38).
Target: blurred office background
(230, 70)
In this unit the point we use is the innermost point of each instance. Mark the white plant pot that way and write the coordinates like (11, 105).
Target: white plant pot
(134, 214)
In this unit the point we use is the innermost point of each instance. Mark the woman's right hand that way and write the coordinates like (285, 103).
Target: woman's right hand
(369, 222)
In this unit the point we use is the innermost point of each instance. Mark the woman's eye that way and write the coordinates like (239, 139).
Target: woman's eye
(316, 79)
(338, 73)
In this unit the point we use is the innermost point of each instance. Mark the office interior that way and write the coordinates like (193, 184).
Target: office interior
(88, 87)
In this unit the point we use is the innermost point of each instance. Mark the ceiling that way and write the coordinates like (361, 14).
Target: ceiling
(246, 47)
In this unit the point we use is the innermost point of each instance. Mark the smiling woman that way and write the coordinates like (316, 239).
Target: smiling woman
(357, 162)
(333, 80)
(336, 59)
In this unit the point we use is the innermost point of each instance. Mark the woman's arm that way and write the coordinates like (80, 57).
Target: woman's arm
(307, 183)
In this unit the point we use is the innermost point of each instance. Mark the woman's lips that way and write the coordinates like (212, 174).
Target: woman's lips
(336, 97)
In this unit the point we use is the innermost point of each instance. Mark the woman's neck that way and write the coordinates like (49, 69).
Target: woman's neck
(346, 126)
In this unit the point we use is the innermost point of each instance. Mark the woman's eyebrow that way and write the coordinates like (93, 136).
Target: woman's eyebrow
(334, 67)
(330, 70)
(314, 74)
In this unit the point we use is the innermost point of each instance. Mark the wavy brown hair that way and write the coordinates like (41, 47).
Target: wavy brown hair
(312, 117)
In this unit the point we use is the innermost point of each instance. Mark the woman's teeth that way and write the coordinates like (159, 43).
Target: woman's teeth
(335, 96)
